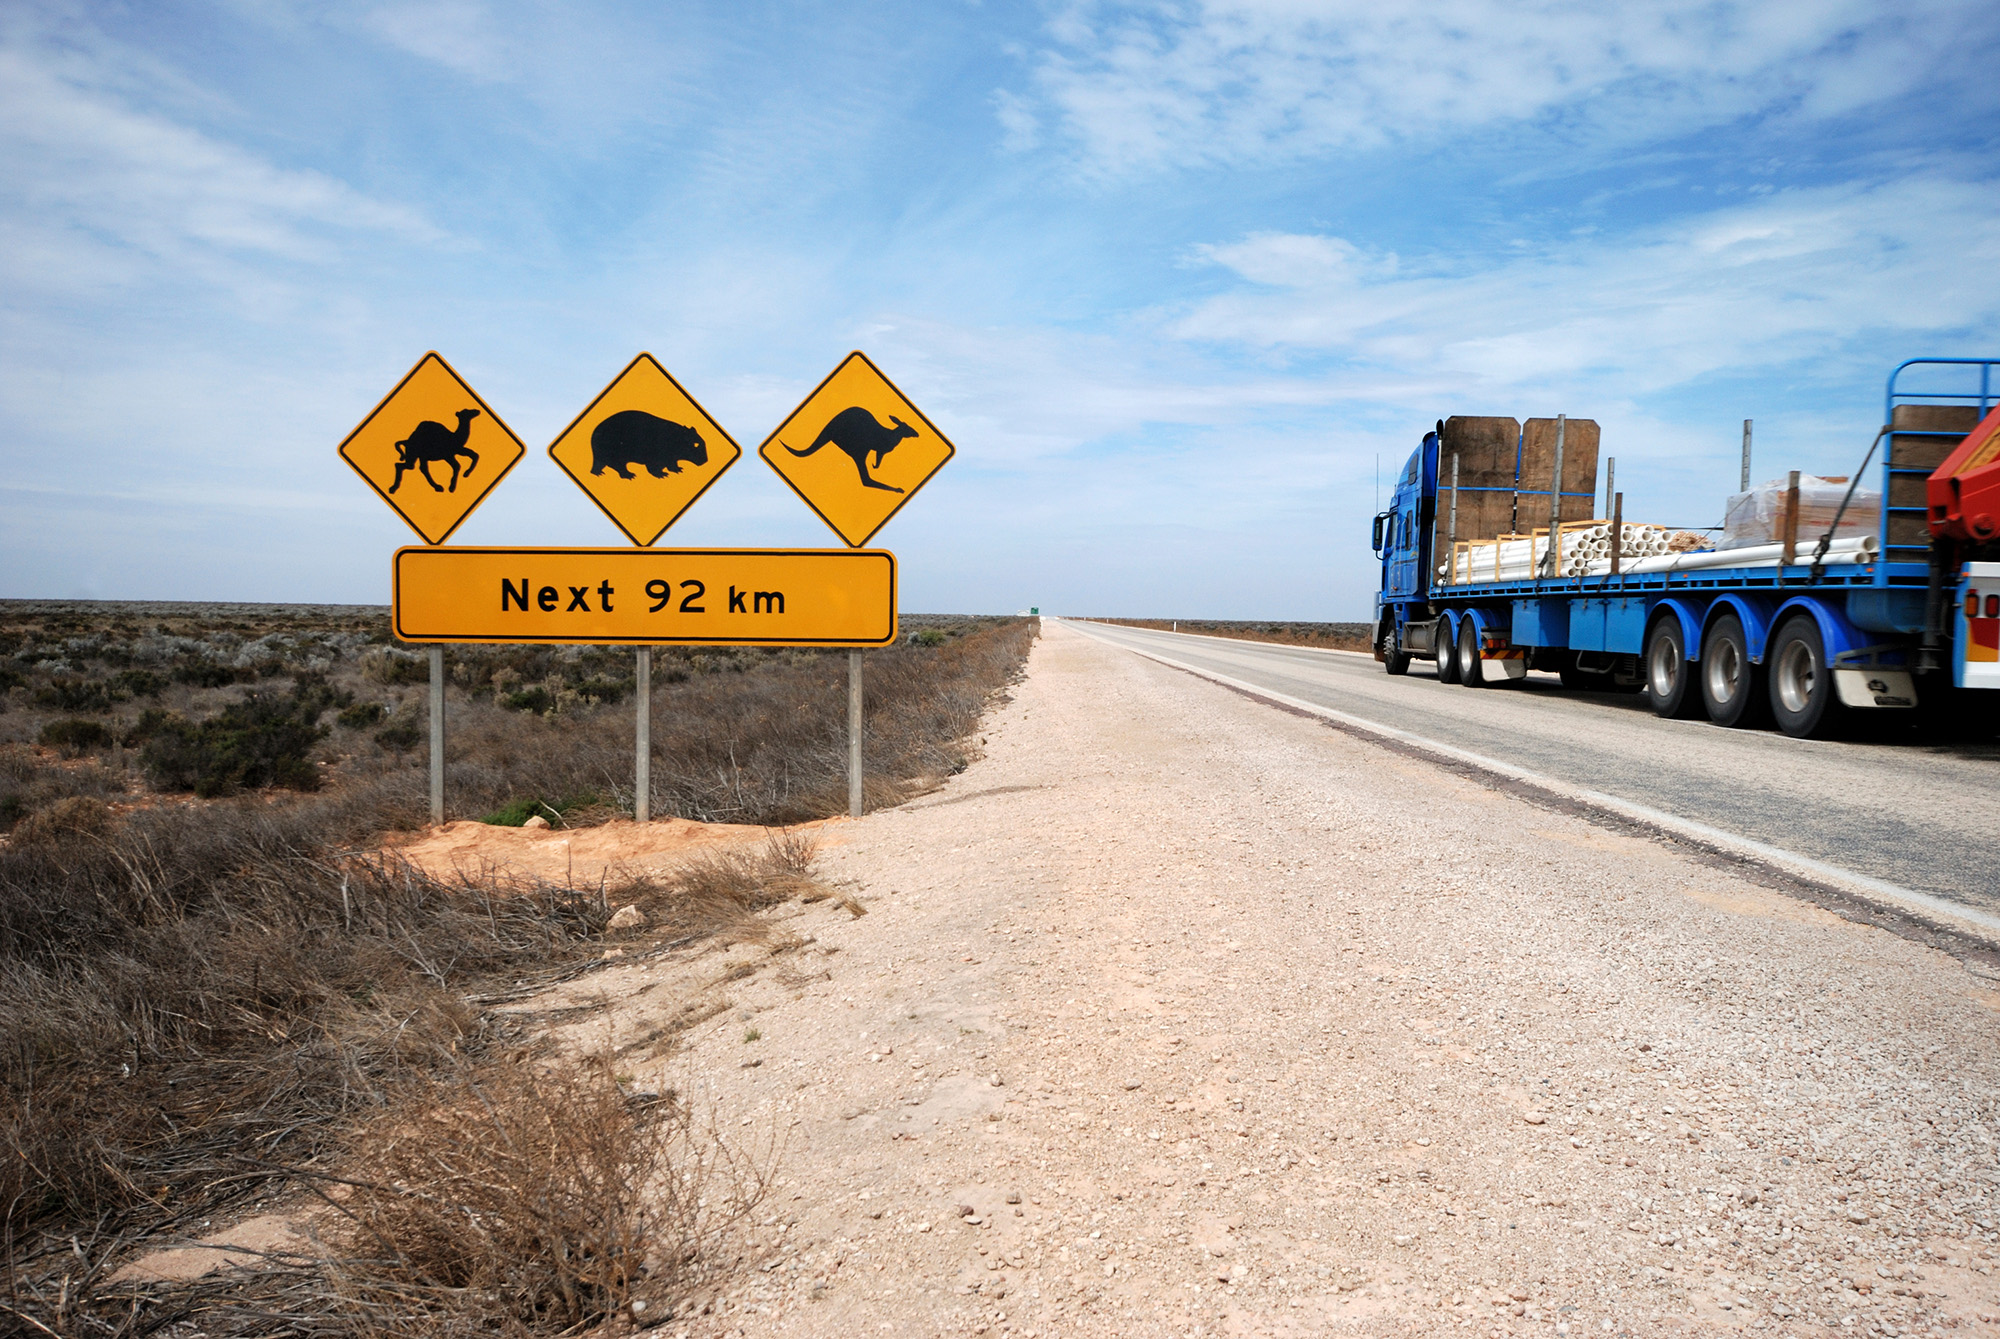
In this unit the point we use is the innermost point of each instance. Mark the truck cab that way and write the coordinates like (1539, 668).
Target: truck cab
(1403, 540)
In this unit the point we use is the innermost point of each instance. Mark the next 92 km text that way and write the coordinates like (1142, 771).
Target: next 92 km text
(660, 592)
(712, 597)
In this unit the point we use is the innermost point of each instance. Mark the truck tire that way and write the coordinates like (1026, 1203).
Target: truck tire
(1669, 686)
(1446, 655)
(1803, 700)
(1394, 658)
(1732, 688)
(1469, 663)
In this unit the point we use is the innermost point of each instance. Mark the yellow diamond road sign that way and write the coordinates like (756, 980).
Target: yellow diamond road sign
(644, 450)
(433, 449)
(856, 450)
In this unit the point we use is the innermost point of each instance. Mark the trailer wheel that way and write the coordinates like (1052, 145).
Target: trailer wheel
(1470, 665)
(1667, 680)
(1802, 695)
(1446, 655)
(1732, 688)
(1394, 658)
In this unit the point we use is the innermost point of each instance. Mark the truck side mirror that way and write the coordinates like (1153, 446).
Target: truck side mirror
(1378, 530)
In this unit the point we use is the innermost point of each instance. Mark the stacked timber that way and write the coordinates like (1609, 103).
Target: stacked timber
(1578, 485)
(1487, 454)
(1506, 471)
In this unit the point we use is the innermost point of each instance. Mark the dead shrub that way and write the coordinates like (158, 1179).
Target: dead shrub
(521, 1201)
(28, 784)
(66, 820)
(719, 893)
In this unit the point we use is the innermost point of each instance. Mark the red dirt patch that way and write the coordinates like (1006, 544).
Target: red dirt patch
(579, 855)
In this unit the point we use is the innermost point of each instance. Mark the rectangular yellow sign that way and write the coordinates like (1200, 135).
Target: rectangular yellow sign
(647, 597)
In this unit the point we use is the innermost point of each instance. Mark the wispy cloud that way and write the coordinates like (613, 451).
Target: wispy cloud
(1795, 275)
(96, 191)
(1140, 87)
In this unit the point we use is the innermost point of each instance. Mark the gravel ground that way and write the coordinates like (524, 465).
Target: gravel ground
(1176, 1014)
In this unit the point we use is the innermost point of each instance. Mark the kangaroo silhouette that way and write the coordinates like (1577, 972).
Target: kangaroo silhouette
(430, 442)
(857, 433)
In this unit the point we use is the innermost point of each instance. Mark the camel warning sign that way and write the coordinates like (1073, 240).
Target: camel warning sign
(644, 450)
(432, 449)
(856, 450)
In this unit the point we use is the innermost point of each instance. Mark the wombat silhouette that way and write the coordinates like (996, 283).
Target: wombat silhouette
(857, 433)
(430, 442)
(634, 437)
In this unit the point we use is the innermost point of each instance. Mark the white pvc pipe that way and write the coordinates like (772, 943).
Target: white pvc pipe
(1755, 555)
(1852, 549)
(1654, 566)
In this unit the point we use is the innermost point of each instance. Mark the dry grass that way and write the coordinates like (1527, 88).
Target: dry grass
(206, 1004)
(201, 1008)
(531, 1201)
(764, 742)
(719, 892)
(144, 703)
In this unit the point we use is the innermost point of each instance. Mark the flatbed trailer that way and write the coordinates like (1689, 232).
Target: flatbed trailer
(1800, 644)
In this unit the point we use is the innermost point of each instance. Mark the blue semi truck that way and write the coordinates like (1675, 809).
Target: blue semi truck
(1806, 633)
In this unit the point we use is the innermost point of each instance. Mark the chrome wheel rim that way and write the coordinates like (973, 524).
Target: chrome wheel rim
(1725, 672)
(1663, 667)
(1797, 672)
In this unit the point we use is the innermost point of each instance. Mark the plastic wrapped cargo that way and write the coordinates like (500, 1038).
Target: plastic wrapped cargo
(1758, 516)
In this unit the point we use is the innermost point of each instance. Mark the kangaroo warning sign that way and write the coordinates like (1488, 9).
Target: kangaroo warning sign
(856, 450)
(432, 449)
(644, 450)
(647, 596)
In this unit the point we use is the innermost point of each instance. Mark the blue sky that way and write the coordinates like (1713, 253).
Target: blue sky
(1171, 276)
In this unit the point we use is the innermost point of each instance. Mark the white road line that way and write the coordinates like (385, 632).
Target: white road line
(1865, 886)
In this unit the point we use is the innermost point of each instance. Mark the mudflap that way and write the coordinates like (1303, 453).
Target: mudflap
(1508, 662)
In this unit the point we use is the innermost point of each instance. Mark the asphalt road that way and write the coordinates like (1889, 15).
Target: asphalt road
(1925, 817)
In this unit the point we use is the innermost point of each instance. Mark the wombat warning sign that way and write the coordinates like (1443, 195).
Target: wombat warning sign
(644, 450)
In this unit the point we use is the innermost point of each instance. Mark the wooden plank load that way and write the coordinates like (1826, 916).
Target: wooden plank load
(1488, 450)
(1505, 470)
(1538, 464)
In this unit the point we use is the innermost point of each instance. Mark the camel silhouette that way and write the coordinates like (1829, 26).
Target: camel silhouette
(858, 434)
(430, 441)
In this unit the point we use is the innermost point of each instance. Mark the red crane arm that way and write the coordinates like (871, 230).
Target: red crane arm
(1964, 491)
